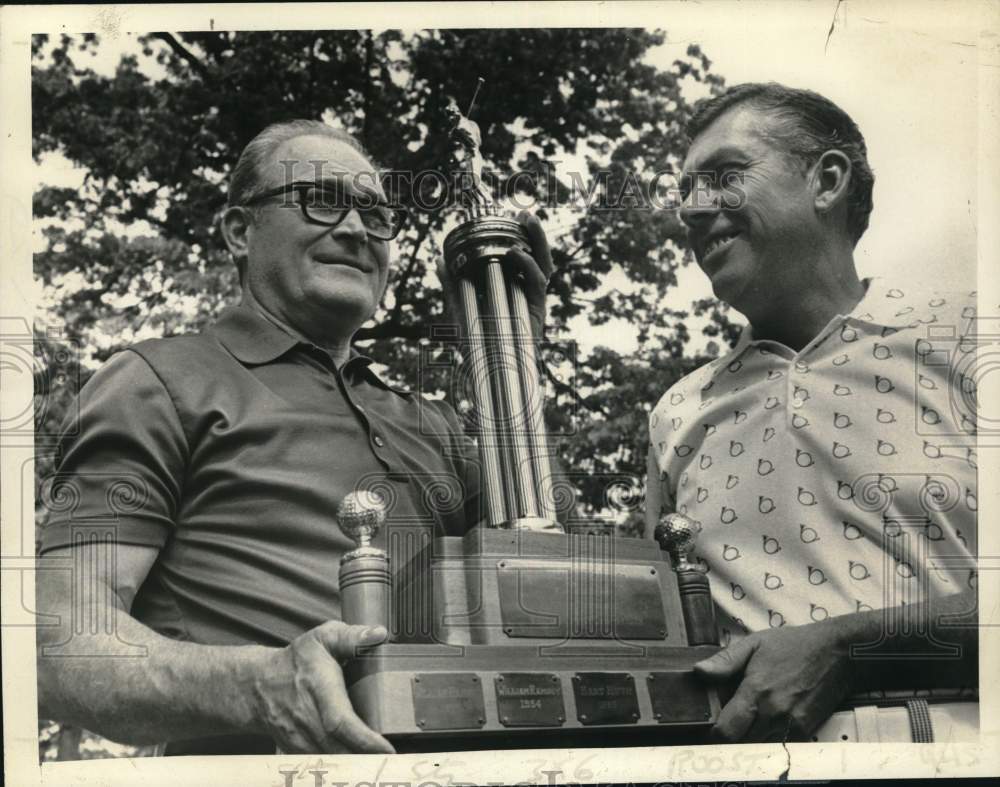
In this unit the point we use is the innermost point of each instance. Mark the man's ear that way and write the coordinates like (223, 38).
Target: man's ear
(833, 176)
(235, 227)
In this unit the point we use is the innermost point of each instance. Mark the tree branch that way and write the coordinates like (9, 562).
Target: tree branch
(183, 52)
(565, 388)
(408, 272)
(367, 87)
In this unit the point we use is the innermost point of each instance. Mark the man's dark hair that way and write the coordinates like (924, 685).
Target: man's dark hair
(812, 125)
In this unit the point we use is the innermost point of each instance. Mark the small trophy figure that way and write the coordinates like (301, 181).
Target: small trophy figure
(466, 133)
(467, 159)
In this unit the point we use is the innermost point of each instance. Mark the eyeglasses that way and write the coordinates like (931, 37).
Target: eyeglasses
(328, 204)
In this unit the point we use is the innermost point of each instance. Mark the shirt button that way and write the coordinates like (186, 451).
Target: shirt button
(379, 441)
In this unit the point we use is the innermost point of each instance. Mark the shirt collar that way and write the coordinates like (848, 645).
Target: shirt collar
(255, 340)
(882, 305)
(250, 337)
(897, 307)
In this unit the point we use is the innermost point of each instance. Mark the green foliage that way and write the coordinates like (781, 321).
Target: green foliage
(141, 241)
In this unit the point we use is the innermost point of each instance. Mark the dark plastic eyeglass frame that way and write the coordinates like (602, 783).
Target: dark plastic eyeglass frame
(399, 214)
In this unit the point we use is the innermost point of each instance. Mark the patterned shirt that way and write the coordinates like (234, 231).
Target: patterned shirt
(832, 480)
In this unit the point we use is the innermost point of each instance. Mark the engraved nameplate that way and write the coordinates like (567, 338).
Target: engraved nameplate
(529, 699)
(584, 599)
(605, 698)
(448, 701)
(678, 697)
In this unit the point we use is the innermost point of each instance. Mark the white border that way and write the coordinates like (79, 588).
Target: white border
(744, 762)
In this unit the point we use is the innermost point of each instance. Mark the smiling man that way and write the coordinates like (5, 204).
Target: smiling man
(219, 460)
(830, 456)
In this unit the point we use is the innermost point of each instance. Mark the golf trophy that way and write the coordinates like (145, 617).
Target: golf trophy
(519, 634)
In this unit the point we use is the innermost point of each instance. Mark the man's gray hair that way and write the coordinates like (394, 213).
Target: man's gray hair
(813, 125)
(247, 176)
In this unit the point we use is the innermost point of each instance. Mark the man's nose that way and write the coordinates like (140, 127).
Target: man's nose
(352, 226)
(700, 207)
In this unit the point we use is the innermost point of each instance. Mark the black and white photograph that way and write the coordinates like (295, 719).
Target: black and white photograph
(471, 393)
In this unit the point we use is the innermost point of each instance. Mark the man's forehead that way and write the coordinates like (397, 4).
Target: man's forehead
(740, 130)
(319, 158)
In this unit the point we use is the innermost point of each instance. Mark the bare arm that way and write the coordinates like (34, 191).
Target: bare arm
(119, 678)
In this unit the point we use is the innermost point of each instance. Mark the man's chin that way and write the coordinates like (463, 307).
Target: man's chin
(345, 304)
(728, 288)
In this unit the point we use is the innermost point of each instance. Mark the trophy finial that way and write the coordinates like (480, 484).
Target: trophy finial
(677, 534)
(361, 515)
(466, 143)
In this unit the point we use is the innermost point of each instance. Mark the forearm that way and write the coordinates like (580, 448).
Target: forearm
(927, 645)
(135, 686)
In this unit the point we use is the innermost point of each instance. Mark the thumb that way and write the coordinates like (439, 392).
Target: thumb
(343, 641)
(442, 270)
(449, 287)
(728, 661)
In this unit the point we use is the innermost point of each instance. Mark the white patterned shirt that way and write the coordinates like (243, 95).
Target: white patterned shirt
(833, 480)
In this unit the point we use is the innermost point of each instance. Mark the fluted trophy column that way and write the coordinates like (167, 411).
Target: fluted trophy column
(365, 581)
(500, 350)
(677, 535)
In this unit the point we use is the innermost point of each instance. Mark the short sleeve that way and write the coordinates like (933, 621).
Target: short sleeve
(465, 456)
(122, 459)
(659, 498)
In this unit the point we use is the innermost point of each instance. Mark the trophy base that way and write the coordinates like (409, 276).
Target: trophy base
(442, 697)
(521, 639)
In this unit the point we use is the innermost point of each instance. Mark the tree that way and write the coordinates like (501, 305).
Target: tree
(141, 238)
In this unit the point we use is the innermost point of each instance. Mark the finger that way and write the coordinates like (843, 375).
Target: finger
(535, 279)
(768, 726)
(302, 740)
(342, 640)
(728, 661)
(736, 718)
(447, 283)
(539, 243)
(343, 727)
(450, 287)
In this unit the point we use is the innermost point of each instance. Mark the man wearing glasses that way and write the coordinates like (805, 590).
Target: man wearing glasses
(219, 602)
